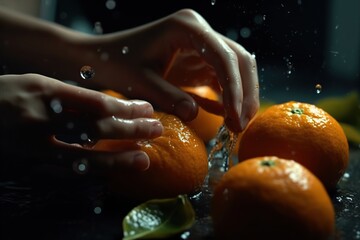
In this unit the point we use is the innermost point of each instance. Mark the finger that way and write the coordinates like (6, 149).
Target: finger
(118, 128)
(84, 160)
(155, 89)
(208, 105)
(193, 32)
(83, 100)
(250, 83)
(86, 131)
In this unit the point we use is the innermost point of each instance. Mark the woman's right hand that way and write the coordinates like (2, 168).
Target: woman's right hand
(38, 113)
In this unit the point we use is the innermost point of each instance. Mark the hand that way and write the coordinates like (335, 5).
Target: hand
(185, 42)
(47, 121)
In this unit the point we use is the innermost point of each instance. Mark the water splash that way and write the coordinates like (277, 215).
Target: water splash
(219, 156)
(218, 162)
(87, 72)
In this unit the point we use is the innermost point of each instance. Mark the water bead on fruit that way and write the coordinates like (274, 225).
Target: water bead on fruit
(87, 72)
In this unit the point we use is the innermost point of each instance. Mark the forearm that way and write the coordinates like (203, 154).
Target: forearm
(32, 45)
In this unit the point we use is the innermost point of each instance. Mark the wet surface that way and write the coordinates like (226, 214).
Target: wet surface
(65, 210)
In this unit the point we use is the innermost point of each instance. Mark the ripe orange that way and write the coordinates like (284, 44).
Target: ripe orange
(263, 107)
(271, 198)
(113, 93)
(206, 124)
(302, 132)
(178, 162)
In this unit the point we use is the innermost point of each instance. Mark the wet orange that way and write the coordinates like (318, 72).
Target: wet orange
(263, 107)
(113, 93)
(206, 124)
(271, 198)
(178, 162)
(302, 132)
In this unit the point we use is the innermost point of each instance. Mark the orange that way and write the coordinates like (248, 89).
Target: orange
(113, 93)
(302, 132)
(271, 198)
(206, 124)
(178, 162)
(263, 107)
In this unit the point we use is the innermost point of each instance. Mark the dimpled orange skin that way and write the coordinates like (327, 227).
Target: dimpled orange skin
(178, 163)
(271, 198)
(302, 132)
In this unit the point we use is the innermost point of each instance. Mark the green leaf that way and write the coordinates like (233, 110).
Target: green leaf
(159, 218)
(352, 133)
(343, 108)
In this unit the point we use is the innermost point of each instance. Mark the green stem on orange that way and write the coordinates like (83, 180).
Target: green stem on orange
(297, 111)
(268, 163)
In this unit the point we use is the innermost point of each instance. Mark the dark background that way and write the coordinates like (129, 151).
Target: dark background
(298, 44)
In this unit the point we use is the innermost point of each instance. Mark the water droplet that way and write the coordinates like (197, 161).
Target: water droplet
(110, 4)
(56, 106)
(125, 50)
(87, 72)
(185, 235)
(129, 88)
(203, 50)
(253, 58)
(232, 34)
(80, 166)
(334, 53)
(70, 125)
(98, 28)
(258, 19)
(245, 32)
(318, 88)
(97, 210)
(213, 2)
(104, 56)
(84, 137)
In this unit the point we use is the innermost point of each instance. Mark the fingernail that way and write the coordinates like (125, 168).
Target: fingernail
(232, 125)
(148, 108)
(141, 161)
(186, 110)
(244, 122)
(157, 129)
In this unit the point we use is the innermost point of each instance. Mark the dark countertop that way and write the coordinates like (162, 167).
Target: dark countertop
(60, 210)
